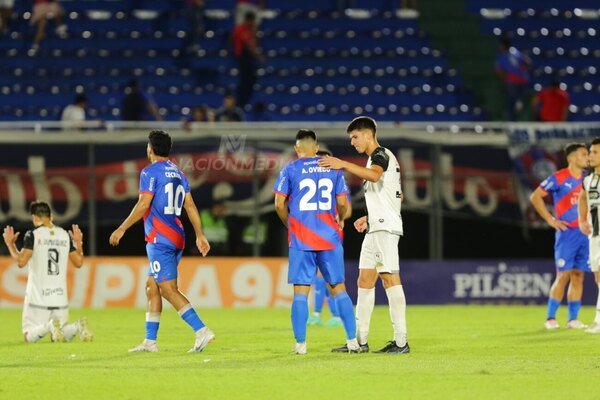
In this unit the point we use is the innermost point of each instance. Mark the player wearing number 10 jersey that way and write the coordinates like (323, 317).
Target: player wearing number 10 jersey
(164, 192)
(313, 194)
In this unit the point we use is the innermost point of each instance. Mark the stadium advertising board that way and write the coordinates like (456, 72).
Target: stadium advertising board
(215, 282)
(477, 183)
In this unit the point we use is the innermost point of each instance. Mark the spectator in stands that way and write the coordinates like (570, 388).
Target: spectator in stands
(245, 52)
(44, 10)
(138, 105)
(6, 7)
(229, 112)
(552, 103)
(199, 113)
(73, 116)
(512, 66)
(195, 14)
(244, 7)
(259, 113)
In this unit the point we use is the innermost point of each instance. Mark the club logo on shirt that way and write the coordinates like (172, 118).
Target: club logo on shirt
(381, 220)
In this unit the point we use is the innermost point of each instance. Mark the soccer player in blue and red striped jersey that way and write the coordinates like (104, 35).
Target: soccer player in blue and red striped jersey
(164, 192)
(571, 245)
(313, 195)
(321, 290)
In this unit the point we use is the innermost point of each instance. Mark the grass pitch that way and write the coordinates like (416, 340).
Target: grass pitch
(458, 352)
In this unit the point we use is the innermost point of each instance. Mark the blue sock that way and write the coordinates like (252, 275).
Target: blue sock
(188, 314)
(299, 317)
(332, 305)
(151, 330)
(320, 293)
(152, 323)
(552, 307)
(346, 310)
(574, 307)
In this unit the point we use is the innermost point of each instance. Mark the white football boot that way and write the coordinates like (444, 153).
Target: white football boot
(594, 328)
(56, 333)
(300, 348)
(551, 324)
(145, 346)
(575, 324)
(203, 337)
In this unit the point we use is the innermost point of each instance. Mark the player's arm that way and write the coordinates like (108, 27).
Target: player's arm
(138, 211)
(194, 216)
(342, 208)
(21, 257)
(281, 208)
(582, 211)
(371, 174)
(76, 250)
(537, 200)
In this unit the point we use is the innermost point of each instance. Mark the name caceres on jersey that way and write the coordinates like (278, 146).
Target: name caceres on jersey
(384, 197)
(591, 184)
(47, 279)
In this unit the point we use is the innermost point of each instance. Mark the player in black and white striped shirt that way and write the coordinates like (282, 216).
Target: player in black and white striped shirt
(383, 226)
(589, 223)
(47, 250)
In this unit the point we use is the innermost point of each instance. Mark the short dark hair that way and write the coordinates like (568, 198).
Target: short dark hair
(249, 16)
(40, 209)
(306, 133)
(161, 143)
(362, 122)
(81, 98)
(595, 141)
(572, 147)
(505, 42)
(323, 153)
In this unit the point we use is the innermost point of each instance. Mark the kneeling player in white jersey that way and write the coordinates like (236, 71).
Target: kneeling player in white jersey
(383, 224)
(47, 250)
(589, 221)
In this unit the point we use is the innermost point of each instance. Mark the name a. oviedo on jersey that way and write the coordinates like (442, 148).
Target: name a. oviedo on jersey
(310, 170)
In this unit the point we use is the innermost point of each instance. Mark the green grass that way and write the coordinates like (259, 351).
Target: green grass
(472, 352)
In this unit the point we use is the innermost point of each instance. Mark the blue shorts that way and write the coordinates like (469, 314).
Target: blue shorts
(303, 266)
(571, 251)
(163, 261)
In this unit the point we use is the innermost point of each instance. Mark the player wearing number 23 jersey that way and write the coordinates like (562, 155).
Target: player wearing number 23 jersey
(308, 199)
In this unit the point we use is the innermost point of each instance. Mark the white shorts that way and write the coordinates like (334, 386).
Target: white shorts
(380, 252)
(595, 253)
(35, 316)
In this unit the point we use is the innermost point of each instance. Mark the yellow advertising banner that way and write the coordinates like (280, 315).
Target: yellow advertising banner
(104, 282)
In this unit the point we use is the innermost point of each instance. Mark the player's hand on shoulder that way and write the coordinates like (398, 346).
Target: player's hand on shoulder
(585, 227)
(558, 224)
(116, 236)
(9, 235)
(202, 245)
(76, 233)
(331, 162)
(361, 224)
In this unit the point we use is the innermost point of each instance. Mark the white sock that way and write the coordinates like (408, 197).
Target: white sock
(70, 330)
(597, 319)
(316, 314)
(397, 303)
(364, 309)
(36, 333)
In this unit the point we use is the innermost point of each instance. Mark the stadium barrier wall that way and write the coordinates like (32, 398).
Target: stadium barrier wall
(216, 282)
